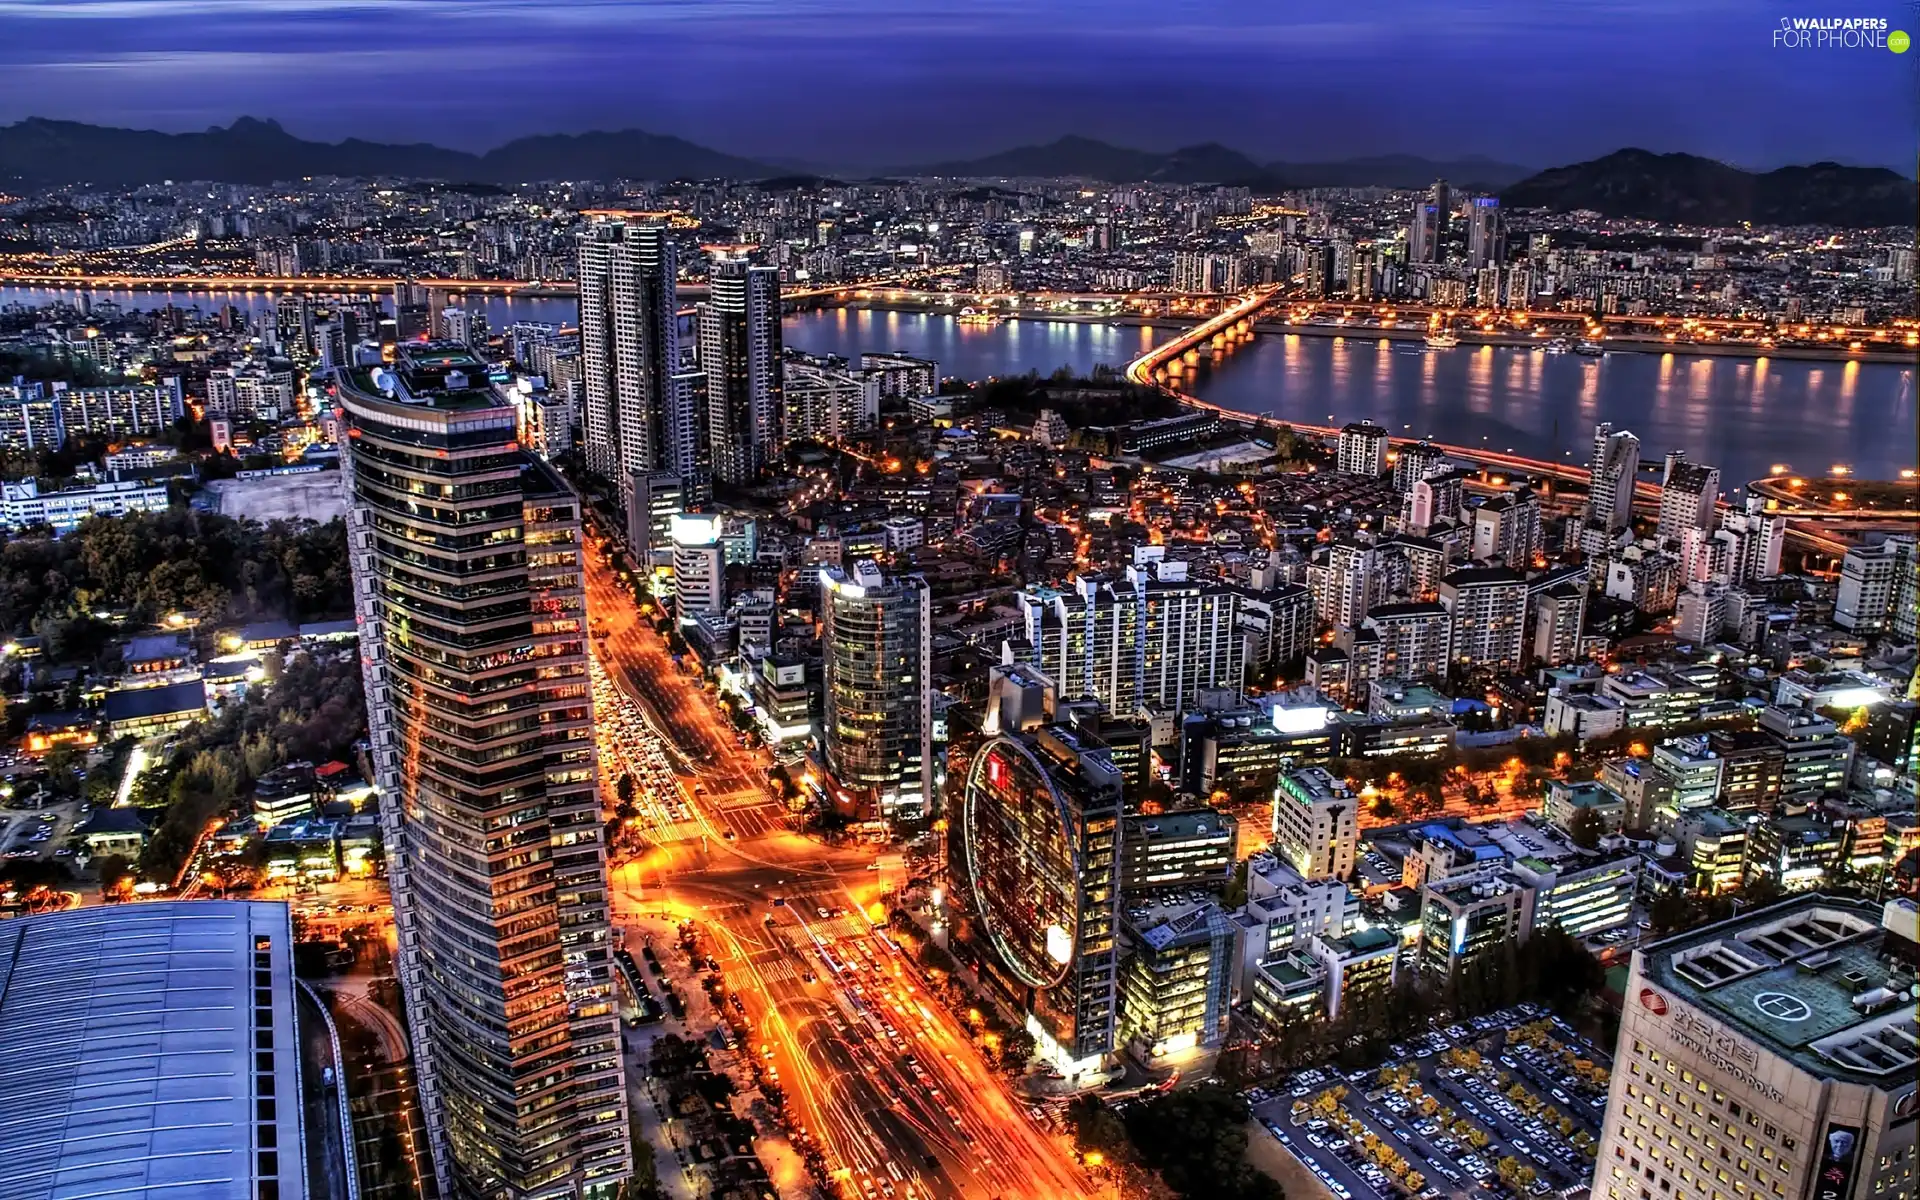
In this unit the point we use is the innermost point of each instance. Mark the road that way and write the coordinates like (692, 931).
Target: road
(875, 1071)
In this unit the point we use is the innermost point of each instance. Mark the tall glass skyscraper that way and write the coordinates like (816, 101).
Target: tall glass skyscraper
(468, 586)
(740, 353)
(875, 650)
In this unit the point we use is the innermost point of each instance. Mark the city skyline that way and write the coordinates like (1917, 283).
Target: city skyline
(1501, 80)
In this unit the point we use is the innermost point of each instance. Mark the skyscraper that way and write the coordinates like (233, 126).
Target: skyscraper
(1423, 234)
(875, 651)
(636, 414)
(1486, 234)
(1040, 832)
(1614, 467)
(740, 354)
(467, 575)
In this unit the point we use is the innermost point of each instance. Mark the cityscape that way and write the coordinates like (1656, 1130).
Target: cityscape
(599, 667)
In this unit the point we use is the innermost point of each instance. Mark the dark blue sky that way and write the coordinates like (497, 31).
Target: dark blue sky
(880, 82)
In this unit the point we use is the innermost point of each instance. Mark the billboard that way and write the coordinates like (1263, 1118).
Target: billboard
(1838, 1152)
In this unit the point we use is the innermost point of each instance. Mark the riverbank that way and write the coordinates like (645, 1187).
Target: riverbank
(1613, 345)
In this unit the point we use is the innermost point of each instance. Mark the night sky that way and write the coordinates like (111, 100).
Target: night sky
(875, 83)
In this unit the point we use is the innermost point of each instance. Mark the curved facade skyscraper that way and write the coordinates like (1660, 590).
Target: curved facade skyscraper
(1040, 836)
(878, 726)
(469, 589)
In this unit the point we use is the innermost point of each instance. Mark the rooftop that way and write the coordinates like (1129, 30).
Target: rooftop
(129, 1034)
(1814, 980)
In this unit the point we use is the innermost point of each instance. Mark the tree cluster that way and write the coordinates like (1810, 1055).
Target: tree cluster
(151, 564)
(314, 711)
(1194, 1139)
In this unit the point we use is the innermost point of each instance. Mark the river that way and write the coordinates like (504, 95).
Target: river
(1741, 415)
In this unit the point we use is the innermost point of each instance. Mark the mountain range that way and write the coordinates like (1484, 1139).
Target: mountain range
(1687, 189)
(1211, 162)
(1628, 183)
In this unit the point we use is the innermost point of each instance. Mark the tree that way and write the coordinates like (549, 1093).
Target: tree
(1585, 828)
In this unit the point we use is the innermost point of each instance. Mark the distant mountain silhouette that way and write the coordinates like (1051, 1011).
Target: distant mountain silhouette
(1687, 189)
(1400, 171)
(255, 151)
(1088, 158)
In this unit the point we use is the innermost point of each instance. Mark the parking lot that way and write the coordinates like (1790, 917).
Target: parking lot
(1508, 1104)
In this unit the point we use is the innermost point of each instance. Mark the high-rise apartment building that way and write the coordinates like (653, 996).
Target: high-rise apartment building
(1506, 529)
(1363, 449)
(637, 414)
(1687, 495)
(467, 572)
(740, 355)
(1872, 578)
(1413, 639)
(1612, 470)
(875, 649)
(1350, 584)
(1559, 617)
(1489, 610)
(1415, 463)
(1316, 823)
(1767, 1055)
(1151, 639)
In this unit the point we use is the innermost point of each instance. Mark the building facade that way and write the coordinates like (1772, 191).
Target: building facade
(877, 716)
(468, 582)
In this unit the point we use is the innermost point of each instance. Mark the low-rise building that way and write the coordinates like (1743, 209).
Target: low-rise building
(1186, 849)
(150, 712)
(1176, 979)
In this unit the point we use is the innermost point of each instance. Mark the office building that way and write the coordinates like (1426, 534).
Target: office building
(1359, 967)
(878, 725)
(1582, 896)
(740, 355)
(151, 1050)
(1470, 917)
(23, 504)
(1488, 608)
(1815, 758)
(1040, 837)
(1612, 471)
(1688, 492)
(1316, 823)
(1363, 449)
(1486, 234)
(1767, 1055)
(1176, 979)
(637, 413)
(699, 566)
(481, 735)
(1185, 849)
